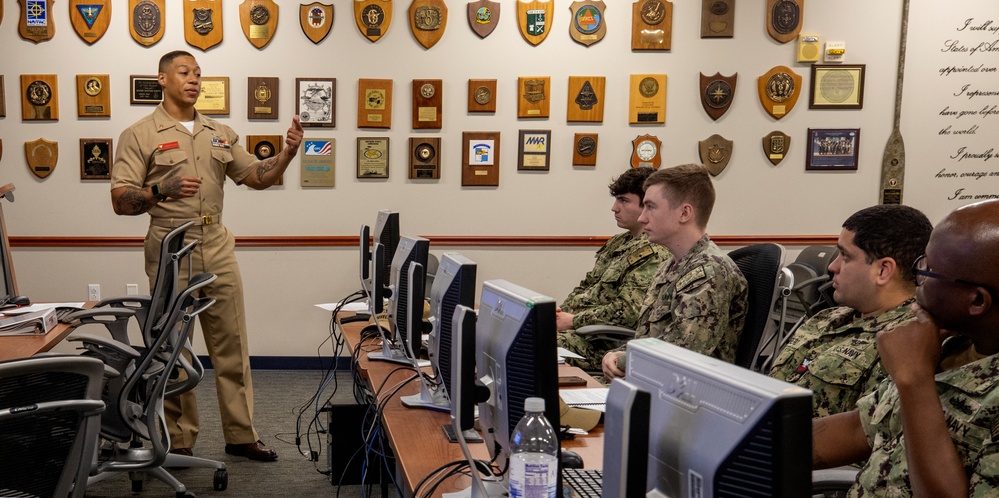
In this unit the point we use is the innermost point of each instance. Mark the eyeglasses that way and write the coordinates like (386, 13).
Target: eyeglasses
(919, 269)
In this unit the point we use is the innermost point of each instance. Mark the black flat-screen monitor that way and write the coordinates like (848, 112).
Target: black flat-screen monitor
(387, 234)
(8, 284)
(407, 300)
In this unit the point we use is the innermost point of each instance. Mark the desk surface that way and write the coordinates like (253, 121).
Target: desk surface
(13, 347)
(416, 435)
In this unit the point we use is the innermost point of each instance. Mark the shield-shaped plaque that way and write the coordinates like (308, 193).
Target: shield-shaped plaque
(427, 20)
(203, 23)
(715, 153)
(42, 156)
(784, 19)
(646, 151)
(587, 25)
(90, 18)
(373, 17)
(778, 89)
(259, 19)
(146, 20)
(534, 18)
(717, 93)
(483, 16)
(37, 21)
(316, 20)
(775, 146)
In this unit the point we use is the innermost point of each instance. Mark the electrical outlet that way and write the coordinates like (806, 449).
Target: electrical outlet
(131, 289)
(93, 292)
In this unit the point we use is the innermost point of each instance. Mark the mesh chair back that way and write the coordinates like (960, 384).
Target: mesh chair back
(761, 265)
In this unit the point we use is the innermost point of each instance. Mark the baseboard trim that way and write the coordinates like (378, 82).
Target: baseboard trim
(289, 362)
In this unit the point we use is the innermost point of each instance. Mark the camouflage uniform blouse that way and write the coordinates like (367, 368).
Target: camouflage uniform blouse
(970, 401)
(698, 302)
(612, 292)
(835, 355)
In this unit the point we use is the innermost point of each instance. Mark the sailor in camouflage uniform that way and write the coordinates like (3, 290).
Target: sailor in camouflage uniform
(697, 301)
(834, 353)
(612, 292)
(932, 428)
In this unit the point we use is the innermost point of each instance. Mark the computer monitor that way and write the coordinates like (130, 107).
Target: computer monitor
(714, 429)
(403, 297)
(387, 234)
(8, 284)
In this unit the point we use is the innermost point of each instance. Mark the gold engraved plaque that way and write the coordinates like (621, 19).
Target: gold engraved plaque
(203, 23)
(42, 156)
(373, 17)
(261, 98)
(481, 95)
(424, 158)
(646, 152)
(483, 15)
(585, 99)
(533, 100)
(717, 18)
(37, 21)
(427, 20)
(534, 17)
(95, 158)
(584, 149)
(647, 99)
(587, 25)
(319, 162)
(40, 97)
(214, 98)
(715, 153)
(480, 159)
(374, 103)
(90, 18)
(316, 20)
(427, 104)
(259, 19)
(778, 90)
(784, 19)
(93, 95)
(146, 20)
(651, 25)
(717, 93)
(775, 146)
(372, 157)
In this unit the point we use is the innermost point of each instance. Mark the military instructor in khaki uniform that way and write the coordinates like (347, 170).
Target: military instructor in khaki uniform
(173, 165)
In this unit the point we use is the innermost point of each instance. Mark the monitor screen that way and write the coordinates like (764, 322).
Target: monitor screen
(407, 300)
(454, 285)
(387, 234)
(714, 429)
(8, 285)
(364, 251)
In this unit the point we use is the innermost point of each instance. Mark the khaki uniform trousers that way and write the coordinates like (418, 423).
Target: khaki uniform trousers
(224, 328)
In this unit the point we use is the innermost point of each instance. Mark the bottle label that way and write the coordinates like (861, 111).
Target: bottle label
(533, 475)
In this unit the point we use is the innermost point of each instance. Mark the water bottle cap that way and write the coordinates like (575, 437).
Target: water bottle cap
(534, 405)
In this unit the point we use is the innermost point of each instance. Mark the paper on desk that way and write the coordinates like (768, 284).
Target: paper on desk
(356, 307)
(593, 398)
(565, 353)
(42, 306)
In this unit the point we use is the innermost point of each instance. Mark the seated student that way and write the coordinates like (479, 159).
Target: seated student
(698, 299)
(931, 428)
(834, 353)
(612, 292)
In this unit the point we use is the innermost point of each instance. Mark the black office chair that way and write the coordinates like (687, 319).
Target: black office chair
(50, 410)
(833, 483)
(761, 265)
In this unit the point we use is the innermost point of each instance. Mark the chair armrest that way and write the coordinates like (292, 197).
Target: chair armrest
(100, 344)
(606, 332)
(125, 302)
(837, 479)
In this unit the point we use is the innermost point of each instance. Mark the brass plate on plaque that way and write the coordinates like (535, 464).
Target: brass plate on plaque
(318, 162)
(214, 98)
(588, 25)
(372, 157)
(424, 158)
(481, 95)
(427, 21)
(775, 146)
(483, 15)
(717, 93)
(374, 103)
(266, 147)
(95, 158)
(646, 152)
(39, 97)
(586, 99)
(480, 158)
(584, 149)
(259, 19)
(42, 156)
(146, 20)
(373, 17)
(316, 20)
(37, 20)
(778, 90)
(651, 25)
(90, 18)
(93, 95)
(784, 19)
(203, 23)
(717, 18)
(647, 99)
(427, 101)
(315, 101)
(534, 18)
(145, 90)
(261, 98)
(533, 97)
(715, 152)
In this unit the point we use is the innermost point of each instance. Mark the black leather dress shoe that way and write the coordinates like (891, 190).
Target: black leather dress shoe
(253, 451)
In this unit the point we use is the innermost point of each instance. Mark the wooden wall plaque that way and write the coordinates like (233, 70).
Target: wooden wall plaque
(481, 95)
(214, 98)
(778, 90)
(717, 18)
(784, 19)
(534, 18)
(427, 21)
(534, 96)
(483, 15)
(315, 102)
(203, 23)
(480, 158)
(428, 98)
(90, 18)
(37, 20)
(651, 25)
(424, 158)
(40, 97)
(316, 20)
(96, 158)
(3, 99)
(584, 149)
(647, 99)
(146, 20)
(373, 17)
(374, 103)
(259, 20)
(262, 97)
(266, 147)
(586, 99)
(93, 96)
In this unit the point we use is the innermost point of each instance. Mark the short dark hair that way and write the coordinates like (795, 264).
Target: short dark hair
(631, 182)
(891, 231)
(687, 183)
(168, 58)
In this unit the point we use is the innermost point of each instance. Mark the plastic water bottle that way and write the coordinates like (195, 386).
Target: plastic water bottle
(533, 454)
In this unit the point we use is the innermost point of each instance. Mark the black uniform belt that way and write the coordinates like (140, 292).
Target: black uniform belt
(205, 219)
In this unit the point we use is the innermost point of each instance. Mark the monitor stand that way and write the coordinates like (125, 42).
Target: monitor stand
(430, 397)
(390, 354)
(493, 486)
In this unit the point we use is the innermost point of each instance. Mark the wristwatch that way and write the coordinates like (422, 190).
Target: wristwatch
(157, 194)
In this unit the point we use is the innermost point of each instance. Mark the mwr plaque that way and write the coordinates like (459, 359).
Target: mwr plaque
(145, 90)
(427, 101)
(585, 99)
(534, 17)
(480, 159)
(534, 150)
(715, 153)
(40, 97)
(259, 19)
(37, 21)
(427, 20)
(717, 18)
(784, 19)
(262, 98)
(146, 20)
(95, 158)
(651, 25)
(42, 156)
(373, 17)
(778, 90)
(483, 15)
(203, 23)
(646, 152)
(775, 146)
(481, 95)
(647, 99)
(93, 96)
(374, 103)
(316, 20)
(584, 149)
(90, 18)
(717, 93)
(424, 158)
(533, 96)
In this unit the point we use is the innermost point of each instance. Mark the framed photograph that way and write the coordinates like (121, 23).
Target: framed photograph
(315, 102)
(837, 86)
(95, 158)
(832, 149)
(534, 150)
(372, 157)
(214, 98)
(144, 90)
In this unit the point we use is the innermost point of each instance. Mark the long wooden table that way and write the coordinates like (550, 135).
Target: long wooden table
(13, 347)
(416, 436)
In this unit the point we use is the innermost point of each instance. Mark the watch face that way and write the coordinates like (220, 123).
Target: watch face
(646, 150)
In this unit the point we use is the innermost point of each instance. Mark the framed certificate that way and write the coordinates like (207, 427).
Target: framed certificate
(144, 90)
(95, 158)
(832, 149)
(214, 98)
(837, 86)
(534, 151)
(372, 157)
(316, 102)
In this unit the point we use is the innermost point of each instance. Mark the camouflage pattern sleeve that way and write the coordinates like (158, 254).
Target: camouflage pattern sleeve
(619, 294)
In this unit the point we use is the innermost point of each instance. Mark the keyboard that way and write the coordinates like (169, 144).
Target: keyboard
(584, 483)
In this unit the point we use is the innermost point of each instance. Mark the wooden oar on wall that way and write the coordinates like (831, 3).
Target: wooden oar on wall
(893, 161)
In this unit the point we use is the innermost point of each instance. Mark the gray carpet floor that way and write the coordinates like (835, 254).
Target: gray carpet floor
(278, 395)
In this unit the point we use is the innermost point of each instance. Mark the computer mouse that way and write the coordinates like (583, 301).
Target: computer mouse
(571, 460)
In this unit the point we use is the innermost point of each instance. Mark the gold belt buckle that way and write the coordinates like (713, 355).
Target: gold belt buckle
(206, 219)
